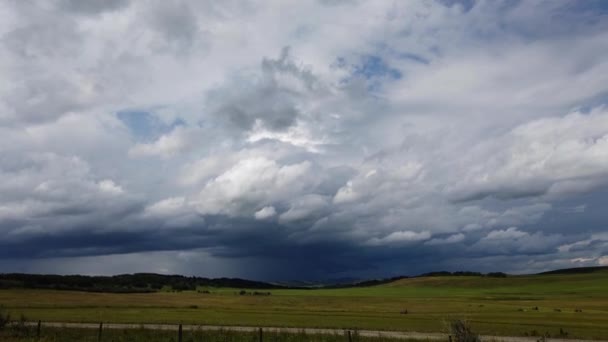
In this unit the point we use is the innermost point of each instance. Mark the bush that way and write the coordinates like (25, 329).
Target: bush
(5, 318)
(20, 328)
(462, 332)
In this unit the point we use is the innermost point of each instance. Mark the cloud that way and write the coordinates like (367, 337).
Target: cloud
(507, 234)
(545, 155)
(512, 239)
(167, 145)
(303, 208)
(272, 102)
(455, 238)
(400, 237)
(173, 212)
(265, 213)
(108, 186)
(474, 134)
(346, 194)
(251, 183)
(92, 7)
(166, 207)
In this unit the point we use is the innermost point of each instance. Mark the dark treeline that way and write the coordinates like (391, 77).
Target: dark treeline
(125, 283)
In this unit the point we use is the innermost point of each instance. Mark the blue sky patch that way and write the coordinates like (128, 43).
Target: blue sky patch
(373, 66)
(146, 126)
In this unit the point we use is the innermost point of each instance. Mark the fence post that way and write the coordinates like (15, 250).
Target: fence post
(38, 329)
(100, 330)
(350, 338)
(179, 333)
(261, 335)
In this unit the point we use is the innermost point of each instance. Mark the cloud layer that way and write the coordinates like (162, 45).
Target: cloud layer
(313, 140)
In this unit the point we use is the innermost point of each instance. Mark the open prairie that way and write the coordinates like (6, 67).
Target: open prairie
(565, 305)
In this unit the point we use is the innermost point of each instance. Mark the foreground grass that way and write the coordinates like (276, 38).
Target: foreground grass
(146, 335)
(516, 306)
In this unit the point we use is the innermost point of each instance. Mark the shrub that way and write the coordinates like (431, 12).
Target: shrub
(462, 332)
(5, 318)
(20, 328)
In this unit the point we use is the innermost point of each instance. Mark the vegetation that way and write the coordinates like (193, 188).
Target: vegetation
(5, 318)
(578, 270)
(462, 332)
(572, 305)
(150, 282)
(146, 335)
(125, 283)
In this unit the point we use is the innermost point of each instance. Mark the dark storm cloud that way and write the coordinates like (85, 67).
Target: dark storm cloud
(241, 139)
(266, 100)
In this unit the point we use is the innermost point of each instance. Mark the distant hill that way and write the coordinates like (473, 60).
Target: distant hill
(364, 283)
(124, 283)
(382, 281)
(463, 274)
(578, 270)
(151, 282)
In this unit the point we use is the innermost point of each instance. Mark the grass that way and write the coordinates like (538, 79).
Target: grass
(493, 306)
(146, 335)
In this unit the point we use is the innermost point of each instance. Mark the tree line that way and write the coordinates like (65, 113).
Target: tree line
(124, 283)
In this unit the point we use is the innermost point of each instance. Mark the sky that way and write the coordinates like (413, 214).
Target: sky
(283, 140)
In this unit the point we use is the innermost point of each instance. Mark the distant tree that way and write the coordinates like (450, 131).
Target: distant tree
(124, 283)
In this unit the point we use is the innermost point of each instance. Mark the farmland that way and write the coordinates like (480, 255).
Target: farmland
(564, 305)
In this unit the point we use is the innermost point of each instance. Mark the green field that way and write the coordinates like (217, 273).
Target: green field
(573, 303)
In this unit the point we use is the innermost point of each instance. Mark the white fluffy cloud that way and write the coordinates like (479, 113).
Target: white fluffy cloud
(544, 155)
(252, 183)
(167, 145)
(399, 237)
(265, 213)
(108, 186)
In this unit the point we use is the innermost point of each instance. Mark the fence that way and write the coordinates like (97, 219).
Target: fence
(348, 333)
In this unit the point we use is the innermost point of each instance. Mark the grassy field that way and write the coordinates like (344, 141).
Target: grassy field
(518, 306)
